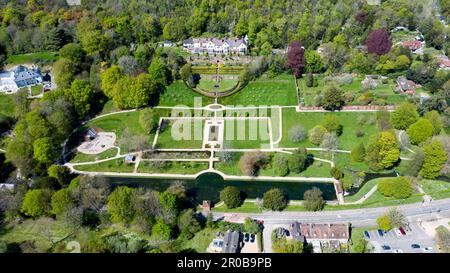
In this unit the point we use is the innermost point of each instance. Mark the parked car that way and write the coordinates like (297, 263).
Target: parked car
(380, 232)
(252, 238)
(246, 237)
(366, 234)
(386, 247)
(397, 231)
(398, 251)
(402, 231)
(428, 249)
(415, 246)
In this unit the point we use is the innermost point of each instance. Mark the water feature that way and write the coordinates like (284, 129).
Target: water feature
(207, 186)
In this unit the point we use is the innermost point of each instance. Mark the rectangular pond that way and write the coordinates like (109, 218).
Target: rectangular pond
(209, 185)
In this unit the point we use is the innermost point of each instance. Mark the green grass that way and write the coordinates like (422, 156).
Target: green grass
(178, 94)
(32, 57)
(6, 105)
(201, 240)
(347, 140)
(437, 189)
(208, 84)
(80, 157)
(265, 91)
(246, 207)
(362, 191)
(383, 91)
(114, 165)
(358, 234)
(41, 231)
(246, 134)
(36, 89)
(317, 169)
(116, 123)
(174, 167)
(192, 139)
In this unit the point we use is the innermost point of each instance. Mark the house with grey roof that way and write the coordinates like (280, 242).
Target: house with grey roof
(232, 242)
(212, 46)
(20, 77)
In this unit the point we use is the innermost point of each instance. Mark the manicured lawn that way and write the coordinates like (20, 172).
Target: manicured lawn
(80, 157)
(189, 135)
(265, 91)
(356, 235)
(173, 167)
(6, 105)
(178, 94)
(436, 188)
(36, 89)
(362, 191)
(246, 207)
(114, 165)
(32, 57)
(344, 161)
(383, 91)
(116, 123)
(246, 134)
(349, 121)
(317, 169)
(208, 84)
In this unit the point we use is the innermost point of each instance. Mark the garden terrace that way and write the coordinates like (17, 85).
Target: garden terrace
(349, 121)
(279, 90)
(178, 94)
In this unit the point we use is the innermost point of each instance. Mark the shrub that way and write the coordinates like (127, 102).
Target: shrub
(399, 187)
(251, 162)
(297, 133)
(358, 153)
(420, 131)
(360, 132)
(231, 196)
(316, 134)
(280, 163)
(274, 199)
(336, 173)
(313, 200)
(297, 161)
(384, 222)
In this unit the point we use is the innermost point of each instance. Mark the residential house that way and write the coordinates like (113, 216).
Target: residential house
(443, 62)
(321, 236)
(91, 133)
(232, 242)
(211, 46)
(20, 77)
(415, 46)
(167, 43)
(406, 86)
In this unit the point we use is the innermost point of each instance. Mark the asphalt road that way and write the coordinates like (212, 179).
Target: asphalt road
(358, 217)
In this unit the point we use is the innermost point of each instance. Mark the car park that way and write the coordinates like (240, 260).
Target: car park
(415, 246)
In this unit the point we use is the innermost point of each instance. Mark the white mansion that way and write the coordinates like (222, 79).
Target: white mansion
(20, 77)
(211, 46)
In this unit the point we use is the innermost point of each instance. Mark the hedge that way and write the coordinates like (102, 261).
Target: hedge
(399, 187)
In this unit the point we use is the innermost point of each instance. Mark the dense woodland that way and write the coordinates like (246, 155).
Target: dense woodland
(108, 51)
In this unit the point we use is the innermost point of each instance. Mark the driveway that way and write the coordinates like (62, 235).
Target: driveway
(416, 236)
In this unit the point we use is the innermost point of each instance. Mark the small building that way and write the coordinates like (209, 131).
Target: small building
(129, 159)
(406, 86)
(232, 242)
(7, 186)
(295, 232)
(167, 43)
(415, 46)
(280, 232)
(206, 205)
(91, 133)
(443, 62)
